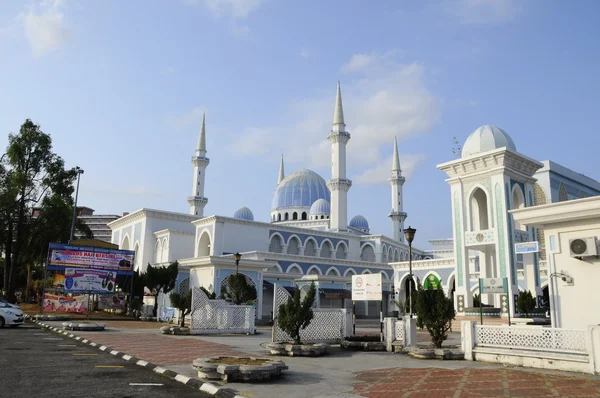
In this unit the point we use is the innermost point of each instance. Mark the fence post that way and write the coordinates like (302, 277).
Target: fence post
(410, 332)
(389, 332)
(467, 338)
(592, 346)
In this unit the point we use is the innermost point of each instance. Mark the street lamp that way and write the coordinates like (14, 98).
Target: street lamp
(237, 257)
(79, 171)
(409, 233)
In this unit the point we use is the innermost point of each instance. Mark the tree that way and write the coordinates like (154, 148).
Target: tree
(525, 302)
(183, 302)
(239, 291)
(160, 280)
(31, 172)
(436, 312)
(124, 282)
(295, 315)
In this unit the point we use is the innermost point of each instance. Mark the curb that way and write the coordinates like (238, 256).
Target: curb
(208, 388)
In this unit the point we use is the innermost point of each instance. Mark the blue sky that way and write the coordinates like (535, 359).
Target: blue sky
(121, 87)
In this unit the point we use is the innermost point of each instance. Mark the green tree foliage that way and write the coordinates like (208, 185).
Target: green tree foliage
(183, 302)
(240, 291)
(31, 175)
(160, 280)
(124, 283)
(296, 314)
(210, 295)
(525, 302)
(436, 312)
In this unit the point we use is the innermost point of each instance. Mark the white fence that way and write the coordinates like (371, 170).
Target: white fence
(327, 325)
(218, 316)
(402, 332)
(533, 346)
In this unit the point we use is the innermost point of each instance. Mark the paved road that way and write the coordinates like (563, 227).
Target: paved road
(35, 363)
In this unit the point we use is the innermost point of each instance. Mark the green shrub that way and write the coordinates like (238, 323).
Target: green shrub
(435, 312)
(296, 314)
(525, 302)
(240, 291)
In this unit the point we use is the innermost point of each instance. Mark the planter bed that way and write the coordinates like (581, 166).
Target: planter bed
(298, 350)
(83, 326)
(238, 368)
(434, 353)
(178, 330)
(364, 343)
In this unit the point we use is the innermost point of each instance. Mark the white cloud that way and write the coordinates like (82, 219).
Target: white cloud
(126, 190)
(253, 142)
(483, 11)
(380, 173)
(235, 9)
(381, 98)
(45, 27)
(187, 119)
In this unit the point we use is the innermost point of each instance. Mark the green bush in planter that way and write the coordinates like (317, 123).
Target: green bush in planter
(525, 302)
(435, 312)
(296, 314)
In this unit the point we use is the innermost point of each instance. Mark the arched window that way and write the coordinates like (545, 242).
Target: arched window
(294, 269)
(310, 249)
(279, 217)
(275, 246)
(158, 252)
(479, 210)
(293, 246)
(367, 253)
(384, 256)
(333, 272)
(518, 203)
(314, 271)
(295, 216)
(326, 249)
(322, 217)
(287, 217)
(341, 251)
(304, 215)
(204, 245)
(396, 256)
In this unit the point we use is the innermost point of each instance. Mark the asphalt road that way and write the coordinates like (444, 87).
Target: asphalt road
(36, 363)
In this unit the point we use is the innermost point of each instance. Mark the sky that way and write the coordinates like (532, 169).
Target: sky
(121, 88)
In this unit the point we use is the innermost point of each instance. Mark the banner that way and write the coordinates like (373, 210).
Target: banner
(366, 287)
(168, 313)
(78, 280)
(60, 256)
(493, 285)
(56, 303)
(109, 302)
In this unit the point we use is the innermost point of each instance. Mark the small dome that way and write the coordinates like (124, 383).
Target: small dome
(487, 138)
(359, 222)
(300, 189)
(320, 206)
(244, 214)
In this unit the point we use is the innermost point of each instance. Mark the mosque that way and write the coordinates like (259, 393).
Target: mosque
(309, 239)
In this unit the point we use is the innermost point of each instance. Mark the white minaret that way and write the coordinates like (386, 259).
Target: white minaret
(197, 201)
(281, 172)
(338, 184)
(396, 181)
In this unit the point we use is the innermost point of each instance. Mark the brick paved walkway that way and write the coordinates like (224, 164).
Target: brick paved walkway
(435, 382)
(161, 349)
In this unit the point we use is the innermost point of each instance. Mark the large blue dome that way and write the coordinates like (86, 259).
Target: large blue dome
(300, 189)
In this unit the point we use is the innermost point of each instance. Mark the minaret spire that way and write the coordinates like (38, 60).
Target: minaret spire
(397, 215)
(198, 201)
(338, 184)
(338, 113)
(281, 172)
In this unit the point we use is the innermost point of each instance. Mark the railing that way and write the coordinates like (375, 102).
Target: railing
(521, 236)
(531, 338)
(484, 236)
(399, 330)
(218, 316)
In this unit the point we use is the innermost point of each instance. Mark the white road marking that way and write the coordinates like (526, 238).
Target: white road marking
(146, 384)
(182, 378)
(209, 388)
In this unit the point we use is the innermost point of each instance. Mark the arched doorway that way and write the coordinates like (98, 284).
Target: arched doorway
(204, 245)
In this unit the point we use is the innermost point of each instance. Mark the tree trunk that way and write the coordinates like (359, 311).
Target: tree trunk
(297, 337)
(155, 309)
(14, 264)
(8, 253)
(182, 314)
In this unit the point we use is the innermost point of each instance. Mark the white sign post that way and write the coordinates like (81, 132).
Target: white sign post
(368, 287)
(492, 286)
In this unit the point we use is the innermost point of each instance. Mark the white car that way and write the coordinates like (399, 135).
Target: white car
(11, 315)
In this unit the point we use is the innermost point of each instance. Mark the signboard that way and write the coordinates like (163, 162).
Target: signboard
(56, 303)
(168, 313)
(431, 283)
(61, 256)
(493, 285)
(81, 280)
(366, 287)
(526, 247)
(111, 302)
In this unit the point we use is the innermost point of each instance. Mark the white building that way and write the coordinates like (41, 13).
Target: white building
(307, 239)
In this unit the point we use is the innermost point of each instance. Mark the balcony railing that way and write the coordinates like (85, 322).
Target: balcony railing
(482, 237)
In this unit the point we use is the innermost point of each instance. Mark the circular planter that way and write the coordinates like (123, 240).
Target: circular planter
(174, 330)
(83, 326)
(51, 317)
(298, 350)
(238, 368)
(363, 343)
(434, 353)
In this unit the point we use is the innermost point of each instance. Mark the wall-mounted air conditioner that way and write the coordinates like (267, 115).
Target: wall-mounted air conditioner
(583, 247)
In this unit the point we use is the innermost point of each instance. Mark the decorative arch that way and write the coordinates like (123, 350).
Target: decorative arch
(366, 272)
(563, 195)
(125, 245)
(384, 255)
(304, 216)
(276, 243)
(332, 271)
(518, 202)
(204, 244)
(367, 253)
(294, 269)
(158, 251)
(278, 216)
(404, 279)
(396, 255)
(539, 195)
(451, 286)
(384, 275)
(350, 271)
(341, 252)
(293, 245)
(165, 252)
(479, 209)
(276, 267)
(286, 216)
(314, 270)
(310, 247)
(295, 216)
(439, 278)
(326, 248)
(581, 194)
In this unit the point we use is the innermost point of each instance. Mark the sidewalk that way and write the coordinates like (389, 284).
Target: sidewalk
(344, 373)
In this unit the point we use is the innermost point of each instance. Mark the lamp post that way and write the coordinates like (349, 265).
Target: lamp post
(79, 171)
(237, 257)
(409, 233)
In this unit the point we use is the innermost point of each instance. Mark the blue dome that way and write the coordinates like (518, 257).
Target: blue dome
(359, 222)
(244, 214)
(320, 206)
(300, 189)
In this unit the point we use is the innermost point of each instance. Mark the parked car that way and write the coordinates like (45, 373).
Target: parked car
(11, 315)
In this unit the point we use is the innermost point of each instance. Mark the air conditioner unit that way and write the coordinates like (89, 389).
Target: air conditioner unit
(582, 247)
